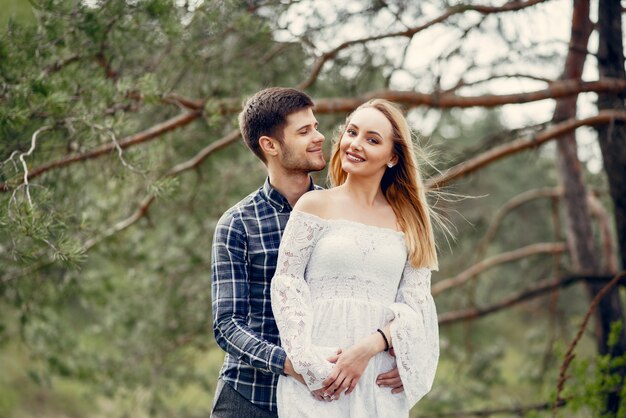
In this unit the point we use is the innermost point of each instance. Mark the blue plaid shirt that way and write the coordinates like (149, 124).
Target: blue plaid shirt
(245, 250)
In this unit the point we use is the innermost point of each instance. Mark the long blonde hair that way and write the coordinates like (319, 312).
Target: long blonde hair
(402, 186)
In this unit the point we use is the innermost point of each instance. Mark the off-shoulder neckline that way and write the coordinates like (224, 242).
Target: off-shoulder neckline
(348, 221)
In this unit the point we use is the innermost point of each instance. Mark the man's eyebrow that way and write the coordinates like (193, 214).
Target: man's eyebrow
(307, 125)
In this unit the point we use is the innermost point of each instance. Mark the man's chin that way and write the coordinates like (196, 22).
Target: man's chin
(319, 166)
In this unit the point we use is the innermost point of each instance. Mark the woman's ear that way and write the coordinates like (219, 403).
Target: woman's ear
(269, 145)
(394, 160)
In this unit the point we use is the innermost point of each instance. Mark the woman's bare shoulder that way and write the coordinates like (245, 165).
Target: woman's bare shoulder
(314, 202)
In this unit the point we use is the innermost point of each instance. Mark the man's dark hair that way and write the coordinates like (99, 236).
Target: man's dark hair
(266, 113)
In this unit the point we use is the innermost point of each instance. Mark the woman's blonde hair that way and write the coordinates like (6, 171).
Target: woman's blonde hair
(402, 186)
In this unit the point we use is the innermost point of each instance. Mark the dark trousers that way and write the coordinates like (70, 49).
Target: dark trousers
(229, 403)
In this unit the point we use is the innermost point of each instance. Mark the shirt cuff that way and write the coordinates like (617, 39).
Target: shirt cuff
(277, 360)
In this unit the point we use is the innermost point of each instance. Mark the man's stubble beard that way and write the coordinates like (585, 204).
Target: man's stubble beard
(292, 163)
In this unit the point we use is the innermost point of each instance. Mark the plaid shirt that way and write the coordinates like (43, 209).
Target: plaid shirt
(245, 250)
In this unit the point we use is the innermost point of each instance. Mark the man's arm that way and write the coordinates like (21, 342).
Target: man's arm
(231, 293)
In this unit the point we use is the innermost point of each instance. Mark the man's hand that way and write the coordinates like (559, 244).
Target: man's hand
(289, 371)
(391, 379)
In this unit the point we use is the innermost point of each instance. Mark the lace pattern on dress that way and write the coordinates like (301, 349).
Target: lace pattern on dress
(415, 333)
(291, 299)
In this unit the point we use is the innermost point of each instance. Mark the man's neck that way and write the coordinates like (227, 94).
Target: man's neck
(292, 185)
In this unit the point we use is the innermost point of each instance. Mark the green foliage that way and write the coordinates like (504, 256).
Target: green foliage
(592, 384)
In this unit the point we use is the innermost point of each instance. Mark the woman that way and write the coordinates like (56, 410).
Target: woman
(353, 273)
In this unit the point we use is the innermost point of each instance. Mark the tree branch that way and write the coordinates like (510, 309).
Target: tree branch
(511, 204)
(506, 257)
(537, 290)
(145, 204)
(138, 138)
(232, 105)
(569, 355)
(59, 65)
(604, 220)
(554, 132)
(33, 145)
(442, 100)
(437, 99)
(511, 411)
(462, 83)
(510, 6)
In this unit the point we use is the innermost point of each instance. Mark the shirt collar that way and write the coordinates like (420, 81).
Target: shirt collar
(276, 199)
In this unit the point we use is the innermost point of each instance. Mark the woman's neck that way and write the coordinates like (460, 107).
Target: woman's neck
(366, 192)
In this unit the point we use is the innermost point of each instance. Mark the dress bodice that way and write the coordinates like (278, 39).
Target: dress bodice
(356, 261)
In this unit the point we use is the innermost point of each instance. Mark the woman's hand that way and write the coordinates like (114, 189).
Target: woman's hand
(350, 366)
(319, 393)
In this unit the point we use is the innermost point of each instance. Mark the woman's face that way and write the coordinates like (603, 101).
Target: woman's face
(366, 144)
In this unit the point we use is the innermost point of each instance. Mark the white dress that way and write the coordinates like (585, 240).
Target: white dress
(337, 281)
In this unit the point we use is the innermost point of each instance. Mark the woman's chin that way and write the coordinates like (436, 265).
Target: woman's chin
(349, 167)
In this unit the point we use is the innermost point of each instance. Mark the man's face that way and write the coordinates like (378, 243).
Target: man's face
(301, 149)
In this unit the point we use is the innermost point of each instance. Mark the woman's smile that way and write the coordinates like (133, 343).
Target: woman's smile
(354, 158)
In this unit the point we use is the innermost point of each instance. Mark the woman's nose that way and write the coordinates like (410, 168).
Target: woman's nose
(356, 143)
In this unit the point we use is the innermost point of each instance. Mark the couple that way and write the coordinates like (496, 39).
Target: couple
(343, 275)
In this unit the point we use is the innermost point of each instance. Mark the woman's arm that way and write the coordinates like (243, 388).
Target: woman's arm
(291, 299)
(415, 332)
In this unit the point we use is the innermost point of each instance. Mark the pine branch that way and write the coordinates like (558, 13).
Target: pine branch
(138, 138)
(145, 204)
(506, 257)
(569, 355)
(537, 290)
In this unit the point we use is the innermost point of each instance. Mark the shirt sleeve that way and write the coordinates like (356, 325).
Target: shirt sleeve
(291, 299)
(415, 333)
(231, 306)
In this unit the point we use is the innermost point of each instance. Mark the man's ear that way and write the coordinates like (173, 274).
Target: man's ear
(269, 145)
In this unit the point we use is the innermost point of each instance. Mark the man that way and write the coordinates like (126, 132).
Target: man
(279, 126)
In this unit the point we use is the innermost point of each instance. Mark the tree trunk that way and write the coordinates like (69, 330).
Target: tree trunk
(580, 233)
(612, 140)
(612, 137)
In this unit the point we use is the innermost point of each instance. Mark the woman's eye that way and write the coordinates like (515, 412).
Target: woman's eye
(351, 132)
(373, 140)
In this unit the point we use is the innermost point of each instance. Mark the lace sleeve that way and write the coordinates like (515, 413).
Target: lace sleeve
(291, 298)
(415, 333)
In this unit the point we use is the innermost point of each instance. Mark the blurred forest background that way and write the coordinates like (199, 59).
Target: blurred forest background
(119, 151)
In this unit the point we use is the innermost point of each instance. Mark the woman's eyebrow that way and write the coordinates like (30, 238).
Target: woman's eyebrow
(369, 132)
